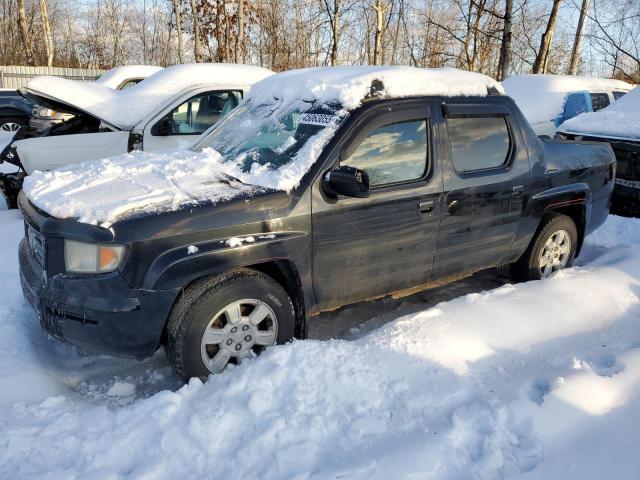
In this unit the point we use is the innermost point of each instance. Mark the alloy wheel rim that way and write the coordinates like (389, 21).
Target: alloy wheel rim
(238, 332)
(10, 127)
(555, 253)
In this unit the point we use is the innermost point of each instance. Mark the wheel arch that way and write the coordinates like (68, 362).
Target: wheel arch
(577, 211)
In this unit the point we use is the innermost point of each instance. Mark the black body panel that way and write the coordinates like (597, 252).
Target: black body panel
(331, 251)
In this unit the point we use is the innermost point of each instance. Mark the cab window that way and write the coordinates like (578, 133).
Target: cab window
(478, 143)
(394, 153)
(599, 101)
(618, 95)
(575, 105)
(197, 114)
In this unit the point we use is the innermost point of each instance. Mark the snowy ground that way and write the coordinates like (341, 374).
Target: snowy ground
(479, 379)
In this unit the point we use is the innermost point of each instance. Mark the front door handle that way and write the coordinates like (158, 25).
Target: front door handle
(517, 191)
(426, 206)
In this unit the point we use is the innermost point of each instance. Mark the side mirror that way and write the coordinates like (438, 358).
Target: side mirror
(162, 128)
(347, 181)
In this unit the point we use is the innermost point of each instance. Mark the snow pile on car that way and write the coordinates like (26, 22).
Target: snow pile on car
(487, 386)
(351, 85)
(116, 76)
(103, 191)
(126, 108)
(541, 97)
(620, 120)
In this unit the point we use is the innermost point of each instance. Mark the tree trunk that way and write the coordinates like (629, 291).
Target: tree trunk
(176, 12)
(377, 49)
(46, 30)
(24, 32)
(540, 65)
(505, 49)
(577, 43)
(336, 33)
(197, 47)
(239, 52)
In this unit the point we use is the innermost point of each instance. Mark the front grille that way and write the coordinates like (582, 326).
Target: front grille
(628, 160)
(36, 243)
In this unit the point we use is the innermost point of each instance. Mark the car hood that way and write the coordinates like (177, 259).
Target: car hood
(116, 188)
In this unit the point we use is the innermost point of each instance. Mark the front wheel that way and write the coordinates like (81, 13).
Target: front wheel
(553, 248)
(227, 319)
(12, 124)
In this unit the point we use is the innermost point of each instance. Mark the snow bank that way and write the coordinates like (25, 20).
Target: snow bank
(125, 108)
(541, 97)
(350, 85)
(100, 192)
(116, 76)
(491, 385)
(621, 120)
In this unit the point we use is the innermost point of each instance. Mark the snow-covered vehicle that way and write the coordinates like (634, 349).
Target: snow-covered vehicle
(325, 187)
(549, 100)
(118, 78)
(619, 126)
(166, 111)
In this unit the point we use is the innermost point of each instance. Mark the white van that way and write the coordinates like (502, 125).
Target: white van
(549, 100)
(166, 111)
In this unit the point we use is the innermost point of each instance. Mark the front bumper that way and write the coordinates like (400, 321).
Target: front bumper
(99, 312)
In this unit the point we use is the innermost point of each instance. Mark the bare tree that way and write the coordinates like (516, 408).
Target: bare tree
(505, 48)
(577, 42)
(239, 50)
(197, 46)
(24, 31)
(46, 31)
(178, 17)
(377, 50)
(540, 65)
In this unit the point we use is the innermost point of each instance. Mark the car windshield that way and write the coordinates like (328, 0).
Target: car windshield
(270, 134)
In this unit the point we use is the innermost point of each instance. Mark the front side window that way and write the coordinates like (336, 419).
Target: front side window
(575, 105)
(393, 153)
(198, 113)
(599, 101)
(478, 143)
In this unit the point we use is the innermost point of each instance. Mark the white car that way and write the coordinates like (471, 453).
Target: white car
(166, 111)
(549, 100)
(118, 78)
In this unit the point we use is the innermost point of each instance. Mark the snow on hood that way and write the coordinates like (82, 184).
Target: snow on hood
(621, 119)
(126, 108)
(541, 97)
(103, 191)
(118, 75)
(350, 85)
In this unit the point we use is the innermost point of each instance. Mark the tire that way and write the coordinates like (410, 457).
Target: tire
(8, 124)
(208, 305)
(528, 267)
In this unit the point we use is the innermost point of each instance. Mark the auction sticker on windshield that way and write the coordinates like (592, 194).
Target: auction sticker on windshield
(320, 119)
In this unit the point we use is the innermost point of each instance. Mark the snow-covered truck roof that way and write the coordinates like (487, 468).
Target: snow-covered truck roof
(541, 97)
(115, 77)
(126, 108)
(104, 191)
(620, 120)
(350, 85)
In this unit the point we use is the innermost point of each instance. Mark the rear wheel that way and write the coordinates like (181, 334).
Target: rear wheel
(227, 319)
(12, 124)
(553, 248)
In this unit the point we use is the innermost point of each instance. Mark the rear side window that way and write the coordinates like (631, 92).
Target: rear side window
(618, 95)
(599, 101)
(478, 143)
(393, 153)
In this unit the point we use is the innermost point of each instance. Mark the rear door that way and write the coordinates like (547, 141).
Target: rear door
(365, 247)
(179, 125)
(47, 153)
(486, 183)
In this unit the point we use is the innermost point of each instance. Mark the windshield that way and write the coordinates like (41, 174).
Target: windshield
(271, 135)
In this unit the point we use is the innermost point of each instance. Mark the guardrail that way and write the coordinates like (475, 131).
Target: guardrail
(16, 76)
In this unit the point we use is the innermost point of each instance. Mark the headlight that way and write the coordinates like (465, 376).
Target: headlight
(45, 112)
(82, 257)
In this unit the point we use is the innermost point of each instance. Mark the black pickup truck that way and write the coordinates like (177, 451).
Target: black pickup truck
(404, 193)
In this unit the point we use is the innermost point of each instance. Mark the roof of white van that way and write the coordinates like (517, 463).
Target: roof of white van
(126, 108)
(118, 75)
(620, 120)
(541, 97)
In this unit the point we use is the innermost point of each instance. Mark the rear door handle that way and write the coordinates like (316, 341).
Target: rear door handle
(426, 206)
(517, 191)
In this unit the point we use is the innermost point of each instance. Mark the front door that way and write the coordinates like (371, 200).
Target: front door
(486, 182)
(366, 247)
